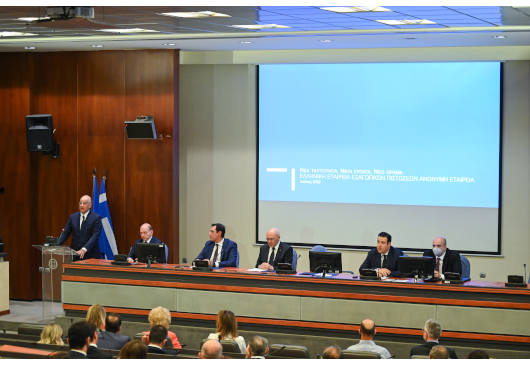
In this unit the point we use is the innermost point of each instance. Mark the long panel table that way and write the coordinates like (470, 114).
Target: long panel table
(476, 310)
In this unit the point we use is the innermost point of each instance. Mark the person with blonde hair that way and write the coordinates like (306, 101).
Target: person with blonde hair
(227, 329)
(51, 335)
(97, 315)
(160, 316)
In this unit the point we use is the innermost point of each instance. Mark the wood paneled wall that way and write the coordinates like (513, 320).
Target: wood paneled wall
(90, 95)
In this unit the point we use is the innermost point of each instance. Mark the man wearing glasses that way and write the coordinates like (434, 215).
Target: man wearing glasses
(86, 228)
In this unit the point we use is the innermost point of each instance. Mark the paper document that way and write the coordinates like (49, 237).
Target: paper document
(256, 270)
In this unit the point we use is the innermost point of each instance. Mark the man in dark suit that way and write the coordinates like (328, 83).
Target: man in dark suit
(111, 338)
(85, 227)
(78, 340)
(146, 232)
(157, 341)
(431, 334)
(384, 257)
(93, 352)
(446, 260)
(219, 251)
(274, 252)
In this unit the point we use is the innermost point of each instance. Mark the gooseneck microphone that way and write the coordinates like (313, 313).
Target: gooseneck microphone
(275, 351)
(524, 281)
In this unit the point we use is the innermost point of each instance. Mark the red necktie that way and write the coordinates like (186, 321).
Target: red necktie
(438, 264)
(215, 253)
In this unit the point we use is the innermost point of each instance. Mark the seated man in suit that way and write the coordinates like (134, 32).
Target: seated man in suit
(384, 257)
(274, 252)
(157, 340)
(146, 232)
(93, 352)
(111, 338)
(86, 228)
(219, 251)
(431, 334)
(446, 260)
(78, 340)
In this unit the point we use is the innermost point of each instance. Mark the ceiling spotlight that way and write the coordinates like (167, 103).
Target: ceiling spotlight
(326, 40)
(169, 44)
(499, 36)
(29, 47)
(245, 42)
(409, 39)
(97, 46)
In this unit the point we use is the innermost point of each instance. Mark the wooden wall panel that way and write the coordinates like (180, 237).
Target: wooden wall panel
(149, 164)
(17, 203)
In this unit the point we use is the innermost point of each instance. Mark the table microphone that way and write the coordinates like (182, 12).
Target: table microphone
(275, 351)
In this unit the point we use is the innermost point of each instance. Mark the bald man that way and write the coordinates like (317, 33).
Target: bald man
(146, 232)
(446, 260)
(211, 349)
(85, 227)
(367, 343)
(274, 252)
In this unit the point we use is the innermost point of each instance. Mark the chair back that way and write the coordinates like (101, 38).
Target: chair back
(228, 346)
(295, 259)
(30, 329)
(419, 357)
(289, 351)
(466, 267)
(348, 354)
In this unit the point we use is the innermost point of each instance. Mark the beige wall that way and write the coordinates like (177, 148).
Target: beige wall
(218, 164)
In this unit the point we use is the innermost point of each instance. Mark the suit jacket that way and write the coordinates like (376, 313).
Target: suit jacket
(76, 355)
(451, 263)
(87, 236)
(373, 261)
(156, 350)
(95, 353)
(284, 254)
(113, 341)
(425, 349)
(228, 257)
(132, 254)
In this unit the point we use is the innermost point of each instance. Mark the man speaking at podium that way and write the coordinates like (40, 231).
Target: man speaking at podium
(86, 227)
(219, 251)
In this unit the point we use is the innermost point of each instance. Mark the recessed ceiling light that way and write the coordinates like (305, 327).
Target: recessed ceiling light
(326, 40)
(245, 42)
(14, 34)
(29, 47)
(97, 46)
(260, 26)
(30, 19)
(355, 9)
(131, 30)
(410, 39)
(406, 22)
(195, 14)
(499, 36)
(169, 44)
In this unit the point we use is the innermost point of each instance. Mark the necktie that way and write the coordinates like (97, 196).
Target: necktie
(83, 222)
(438, 264)
(383, 264)
(271, 259)
(215, 253)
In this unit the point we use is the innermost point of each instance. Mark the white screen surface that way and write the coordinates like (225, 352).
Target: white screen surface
(349, 150)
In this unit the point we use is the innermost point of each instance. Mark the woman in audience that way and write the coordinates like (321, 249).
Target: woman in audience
(227, 329)
(160, 316)
(135, 349)
(97, 314)
(51, 334)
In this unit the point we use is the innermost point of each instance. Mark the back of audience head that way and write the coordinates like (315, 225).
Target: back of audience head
(113, 323)
(160, 316)
(51, 334)
(257, 346)
(134, 349)
(96, 314)
(433, 330)
(226, 324)
(79, 335)
(158, 335)
(367, 330)
(478, 354)
(211, 349)
(439, 352)
(332, 352)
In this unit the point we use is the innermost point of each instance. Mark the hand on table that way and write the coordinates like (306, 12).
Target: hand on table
(437, 274)
(81, 253)
(266, 266)
(383, 272)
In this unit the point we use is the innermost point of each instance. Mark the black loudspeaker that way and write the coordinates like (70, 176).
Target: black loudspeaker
(39, 133)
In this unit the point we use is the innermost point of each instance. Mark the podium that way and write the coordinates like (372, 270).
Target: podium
(53, 259)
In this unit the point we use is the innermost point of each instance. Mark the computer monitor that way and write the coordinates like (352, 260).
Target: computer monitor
(328, 261)
(156, 252)
(412, 266)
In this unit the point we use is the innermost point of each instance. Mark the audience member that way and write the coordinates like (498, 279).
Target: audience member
(135, 349)
(431, 334)
(211, 349)
(367, 343)
(227, 329)
(439, 352)
(157, 340)
(478, 354)
(96, 314)
(78, 340)
(93, 352)
(111, 338)
(332, 352)
(258, 348)
(51, 334)
(160, 316)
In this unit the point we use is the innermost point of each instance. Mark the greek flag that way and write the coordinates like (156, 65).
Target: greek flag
(107, 242)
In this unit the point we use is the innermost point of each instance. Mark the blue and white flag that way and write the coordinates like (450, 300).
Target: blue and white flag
(95, 196)
(107, 241)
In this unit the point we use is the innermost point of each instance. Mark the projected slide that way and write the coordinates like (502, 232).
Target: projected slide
(408, 134)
